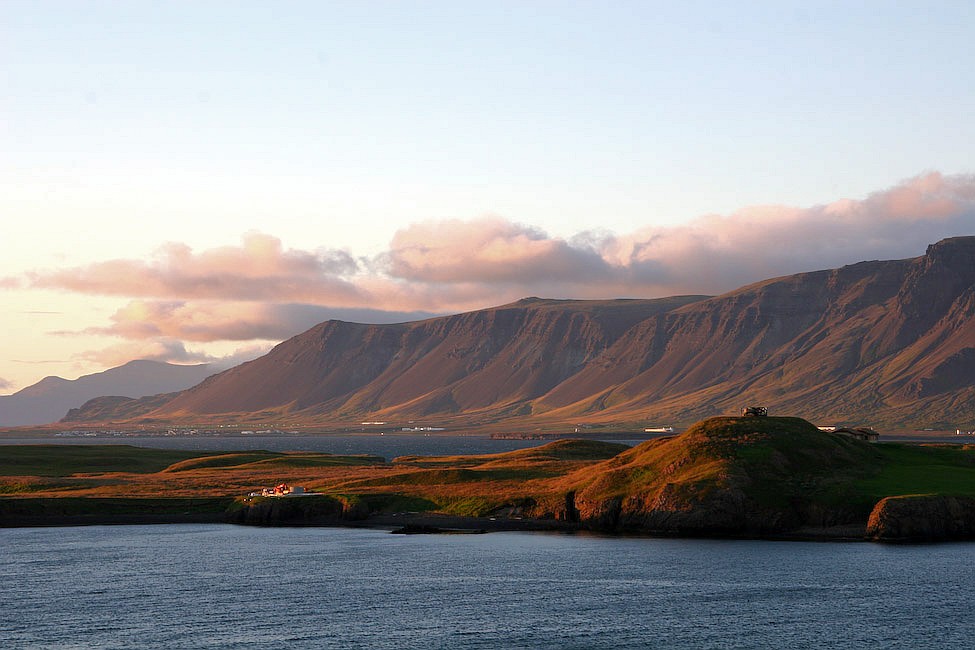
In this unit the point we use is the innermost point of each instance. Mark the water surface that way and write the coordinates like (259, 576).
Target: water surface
(217, 586)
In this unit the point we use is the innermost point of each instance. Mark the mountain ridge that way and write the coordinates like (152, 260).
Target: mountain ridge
(50, 399)
(888, 342)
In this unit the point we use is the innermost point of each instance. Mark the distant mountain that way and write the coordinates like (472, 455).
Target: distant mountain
(50, 399)
(885, 342)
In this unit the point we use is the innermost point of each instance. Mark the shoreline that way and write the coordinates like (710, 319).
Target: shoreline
(419, 523)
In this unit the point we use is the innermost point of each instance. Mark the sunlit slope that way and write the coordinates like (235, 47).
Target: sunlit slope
(730, 475)
(485, 360)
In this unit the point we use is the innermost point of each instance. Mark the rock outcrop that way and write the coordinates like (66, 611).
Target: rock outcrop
(922, 518)
(308, 510)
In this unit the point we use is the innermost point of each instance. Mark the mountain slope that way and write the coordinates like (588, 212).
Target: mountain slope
(49, 399)
(495, 360)
(887, 342)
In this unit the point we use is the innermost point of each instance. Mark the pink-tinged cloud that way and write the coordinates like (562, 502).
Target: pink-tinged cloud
(711, 254)
(207, 321)
(259, 269)
(259, 290)
(5, 384)
(486, 250)
(170, 351)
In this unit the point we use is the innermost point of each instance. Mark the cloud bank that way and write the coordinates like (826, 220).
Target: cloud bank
(169, 350)
(260, 290)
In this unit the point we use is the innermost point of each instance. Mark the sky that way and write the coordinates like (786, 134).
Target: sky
(197, 181)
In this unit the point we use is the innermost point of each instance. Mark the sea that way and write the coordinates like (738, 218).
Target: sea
(224, 586)
(388, 446)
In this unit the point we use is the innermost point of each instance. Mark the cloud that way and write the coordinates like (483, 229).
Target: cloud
(6, 384)
(169, 350)
(710, 254)
(260, 291)
(207, 321)
(438, 266)
(489, 250)
(259, 269)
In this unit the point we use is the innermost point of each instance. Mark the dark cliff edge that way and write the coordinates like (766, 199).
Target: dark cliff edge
(922, 518)
(311, 510)
(22, 512)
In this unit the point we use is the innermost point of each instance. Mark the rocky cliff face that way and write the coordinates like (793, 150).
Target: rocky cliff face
(295, 511)
(887, 342)
(922, 519)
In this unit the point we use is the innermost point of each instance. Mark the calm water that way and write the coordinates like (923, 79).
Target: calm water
(212, 586)
(388, 446)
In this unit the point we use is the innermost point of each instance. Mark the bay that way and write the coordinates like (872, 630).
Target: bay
(221, 586)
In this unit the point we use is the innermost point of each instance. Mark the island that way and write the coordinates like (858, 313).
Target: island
(734, 477)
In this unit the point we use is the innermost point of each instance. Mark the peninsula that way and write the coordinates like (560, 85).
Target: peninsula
(768, 477)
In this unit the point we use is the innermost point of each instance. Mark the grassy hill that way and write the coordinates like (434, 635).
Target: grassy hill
(723, 476)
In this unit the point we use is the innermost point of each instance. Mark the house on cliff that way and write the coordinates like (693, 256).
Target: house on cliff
(281, 490)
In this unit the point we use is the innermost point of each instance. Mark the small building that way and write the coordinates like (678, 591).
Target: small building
(282, 490)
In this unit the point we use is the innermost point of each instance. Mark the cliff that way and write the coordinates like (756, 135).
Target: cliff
(922, 518)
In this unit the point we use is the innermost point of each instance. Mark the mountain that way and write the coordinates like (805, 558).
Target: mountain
(49, 399)
(493, 362)
(883, 342)
(889, 342)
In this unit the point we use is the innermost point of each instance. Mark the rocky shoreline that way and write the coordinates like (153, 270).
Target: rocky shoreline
(914, 519)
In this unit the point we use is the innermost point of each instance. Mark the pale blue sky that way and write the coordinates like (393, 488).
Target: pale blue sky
(124, 125)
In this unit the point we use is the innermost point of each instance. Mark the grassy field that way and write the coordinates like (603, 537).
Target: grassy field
(65, 460)
(773, 462)
(927, 469)
(467, 485)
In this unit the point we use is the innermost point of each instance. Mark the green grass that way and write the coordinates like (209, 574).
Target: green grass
(220, 461)
(65, 460)
(427, 477)
(264, 459)
(319, 460)
(559, 450)
(918, 469)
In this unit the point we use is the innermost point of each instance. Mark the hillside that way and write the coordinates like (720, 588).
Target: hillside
(493, 363)
(731, 475)
(886, 342)
(726, 476)
(50, 399)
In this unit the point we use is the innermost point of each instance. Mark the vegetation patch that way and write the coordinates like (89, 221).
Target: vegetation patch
(921, 469)
(65, 460)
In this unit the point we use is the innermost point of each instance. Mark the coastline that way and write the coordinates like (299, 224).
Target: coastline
(399, 522)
